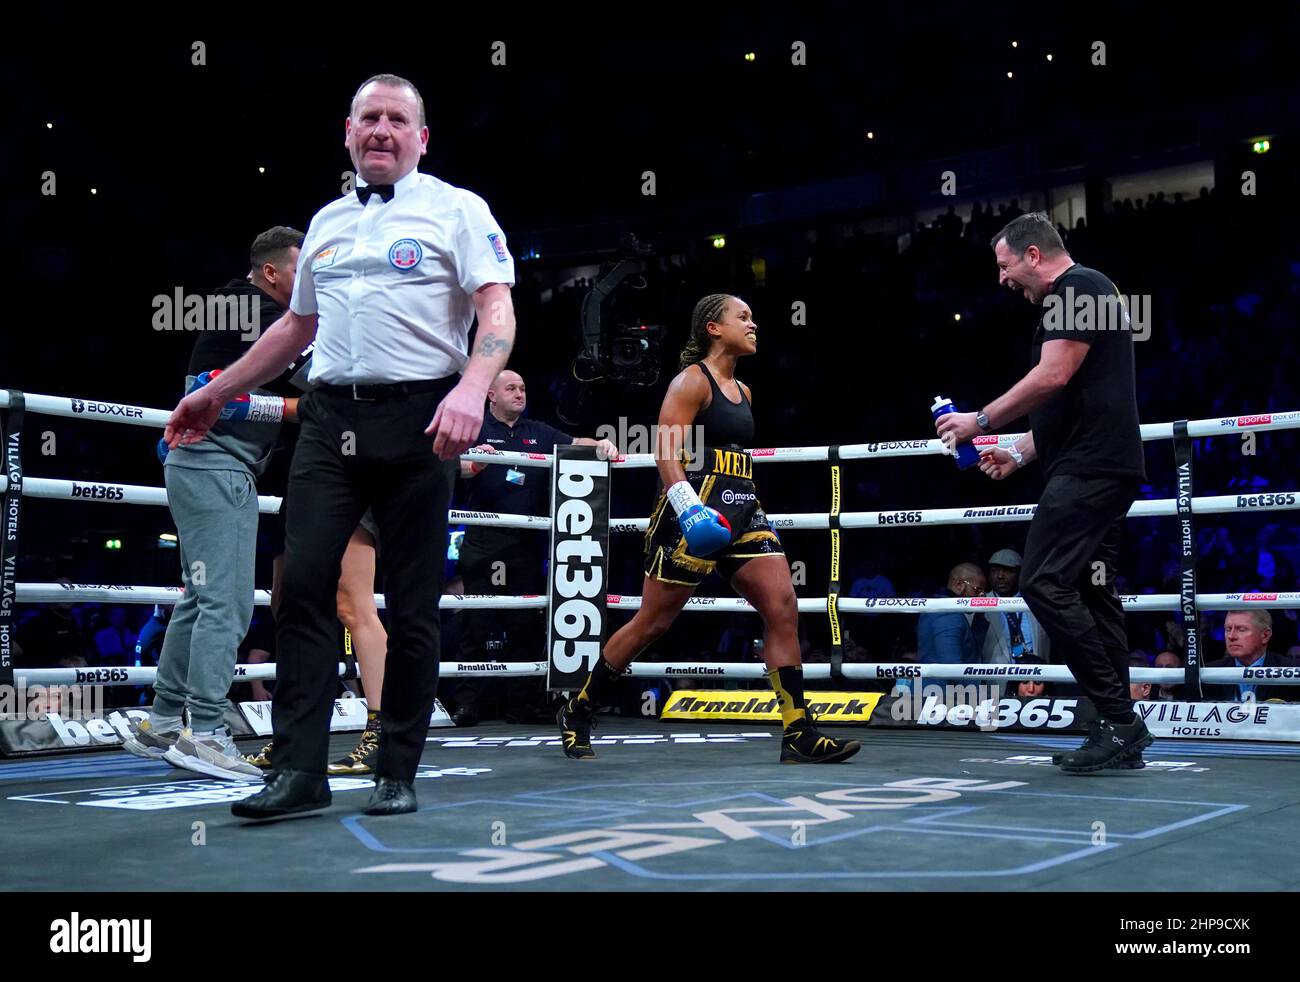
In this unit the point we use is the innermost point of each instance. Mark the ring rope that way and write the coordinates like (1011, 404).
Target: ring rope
(29, 593)
(1216, 504)
(815, 671)
(141, 416)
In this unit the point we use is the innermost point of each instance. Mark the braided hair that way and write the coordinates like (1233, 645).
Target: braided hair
(697, 346)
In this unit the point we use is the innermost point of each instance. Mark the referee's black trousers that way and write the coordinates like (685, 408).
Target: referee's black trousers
(352, 455)
(1068, 581)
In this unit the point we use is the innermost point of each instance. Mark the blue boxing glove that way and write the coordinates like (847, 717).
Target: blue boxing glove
(705, 530)
(163, 451)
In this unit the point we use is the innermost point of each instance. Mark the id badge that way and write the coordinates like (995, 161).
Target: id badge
(514, 476)
(1017, 651)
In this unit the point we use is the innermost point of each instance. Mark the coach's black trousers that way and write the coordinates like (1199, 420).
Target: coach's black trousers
(352, 455)
(1068, 581)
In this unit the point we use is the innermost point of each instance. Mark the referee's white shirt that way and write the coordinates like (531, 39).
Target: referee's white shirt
(392, 281)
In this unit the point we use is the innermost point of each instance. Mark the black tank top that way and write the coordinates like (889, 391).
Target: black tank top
(725, 423)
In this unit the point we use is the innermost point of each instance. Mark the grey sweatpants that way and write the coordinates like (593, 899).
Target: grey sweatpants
(216, 520)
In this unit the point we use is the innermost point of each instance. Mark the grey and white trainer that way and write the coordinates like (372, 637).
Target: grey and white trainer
(213, 753)
(149, 743)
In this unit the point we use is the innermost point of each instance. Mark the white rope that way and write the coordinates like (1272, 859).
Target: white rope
(28, 593)
(264, 671)
(138, 416)
(1208, 505)
(877, 672)
(134, 494)
(109, 594)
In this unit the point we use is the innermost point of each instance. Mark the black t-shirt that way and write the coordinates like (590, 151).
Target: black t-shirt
(1089, 428)
(514, 490)
(221, 349)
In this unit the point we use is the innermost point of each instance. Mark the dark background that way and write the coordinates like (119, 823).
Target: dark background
(768, 154)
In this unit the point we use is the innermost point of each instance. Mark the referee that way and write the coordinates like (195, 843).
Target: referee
(1081, 398)
(389, 282)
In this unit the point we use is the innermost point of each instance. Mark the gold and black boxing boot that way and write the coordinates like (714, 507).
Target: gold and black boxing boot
(801, 741)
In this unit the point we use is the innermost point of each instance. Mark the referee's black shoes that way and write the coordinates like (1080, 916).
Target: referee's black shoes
(1110, 746)
(392, 796)
(288, 793)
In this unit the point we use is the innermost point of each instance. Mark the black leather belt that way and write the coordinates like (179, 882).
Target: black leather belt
(383, 391)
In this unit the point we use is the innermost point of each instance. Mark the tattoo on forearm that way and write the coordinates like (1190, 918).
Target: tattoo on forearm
(489, 345)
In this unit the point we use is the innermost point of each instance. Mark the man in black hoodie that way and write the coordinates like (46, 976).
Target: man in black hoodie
(212, 493)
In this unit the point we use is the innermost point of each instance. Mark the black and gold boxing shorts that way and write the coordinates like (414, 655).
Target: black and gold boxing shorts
(725, 483)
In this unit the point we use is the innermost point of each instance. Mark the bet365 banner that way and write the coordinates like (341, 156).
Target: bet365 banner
(577, 615)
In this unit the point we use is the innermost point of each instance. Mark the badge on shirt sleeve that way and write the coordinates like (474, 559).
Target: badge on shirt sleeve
(405, 254)
(498, 246)
(515, 476)
(324, 258)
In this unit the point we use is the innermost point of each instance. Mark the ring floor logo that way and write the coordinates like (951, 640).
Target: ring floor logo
(798, 832)
(186, 794)
(1045, 760)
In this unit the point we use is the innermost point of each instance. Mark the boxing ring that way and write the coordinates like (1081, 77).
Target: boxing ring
(698, 806)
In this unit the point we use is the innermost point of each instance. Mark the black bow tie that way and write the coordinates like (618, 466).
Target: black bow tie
(384, 191)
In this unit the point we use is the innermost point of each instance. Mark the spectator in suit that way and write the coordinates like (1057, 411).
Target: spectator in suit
(952, 638)
(1246, 633)
(1012, 634)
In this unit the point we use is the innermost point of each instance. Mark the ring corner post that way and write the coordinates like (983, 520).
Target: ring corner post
(11, 432)
(1188, 561)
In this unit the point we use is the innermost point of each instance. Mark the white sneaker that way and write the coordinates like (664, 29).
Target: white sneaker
(149, 743)
(213, 754)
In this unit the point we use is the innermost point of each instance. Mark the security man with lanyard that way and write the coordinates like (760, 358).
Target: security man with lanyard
(390, 280)
(508, 561)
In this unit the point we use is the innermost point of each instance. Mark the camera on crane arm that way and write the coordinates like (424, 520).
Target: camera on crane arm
(618, 345)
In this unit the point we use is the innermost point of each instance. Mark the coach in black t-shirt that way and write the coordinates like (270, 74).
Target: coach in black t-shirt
(1080, 396)
(506, 561)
